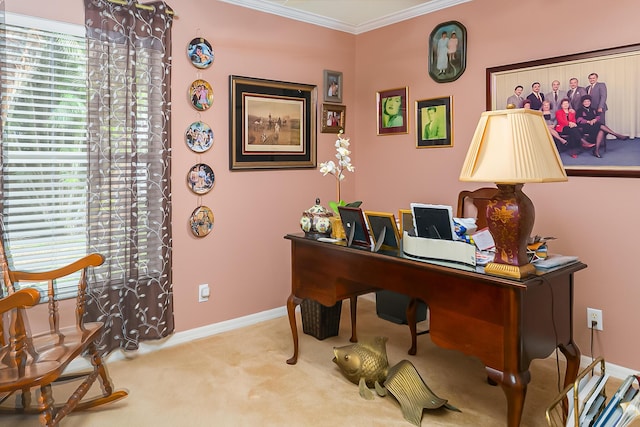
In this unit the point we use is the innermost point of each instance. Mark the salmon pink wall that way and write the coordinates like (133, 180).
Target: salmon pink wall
(591, 217)
(246, 260)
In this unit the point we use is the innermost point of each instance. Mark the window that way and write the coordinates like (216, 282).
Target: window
(44, 143)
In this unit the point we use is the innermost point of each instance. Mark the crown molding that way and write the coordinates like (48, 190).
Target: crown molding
(334, 24)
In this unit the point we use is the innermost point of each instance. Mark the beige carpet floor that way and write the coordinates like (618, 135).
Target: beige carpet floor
(240, 378)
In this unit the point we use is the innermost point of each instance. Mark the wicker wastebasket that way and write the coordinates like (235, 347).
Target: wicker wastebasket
(320, 321)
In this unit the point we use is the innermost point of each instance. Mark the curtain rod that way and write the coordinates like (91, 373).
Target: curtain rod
(140, 6)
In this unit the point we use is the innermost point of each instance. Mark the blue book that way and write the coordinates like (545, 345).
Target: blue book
(612, 412)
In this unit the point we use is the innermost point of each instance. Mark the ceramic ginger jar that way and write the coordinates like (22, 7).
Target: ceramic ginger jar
(316, 221)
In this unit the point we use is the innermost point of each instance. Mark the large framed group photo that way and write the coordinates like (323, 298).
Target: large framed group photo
(272, 124)
(613, 73)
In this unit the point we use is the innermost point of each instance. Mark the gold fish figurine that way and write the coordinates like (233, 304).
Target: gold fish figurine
(364, 363)
(412, 392)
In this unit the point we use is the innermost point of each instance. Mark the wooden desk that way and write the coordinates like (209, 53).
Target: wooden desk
(506, 323)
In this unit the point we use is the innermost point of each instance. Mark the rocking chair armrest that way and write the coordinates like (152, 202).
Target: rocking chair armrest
(21, 299)
(92, 260)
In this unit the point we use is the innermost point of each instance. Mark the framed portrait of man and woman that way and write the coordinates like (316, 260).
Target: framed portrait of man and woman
(447, 51)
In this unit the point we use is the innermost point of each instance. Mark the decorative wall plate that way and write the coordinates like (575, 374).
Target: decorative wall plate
(201, 94)
(200, 178)
(199, 137)
(200, 53)
(201, 221)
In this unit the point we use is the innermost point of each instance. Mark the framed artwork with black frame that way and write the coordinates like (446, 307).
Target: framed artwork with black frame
(434, 123)
(383, 229)
(272, 124)
(620, 158)
(333, 118)
(447, 51)
(332, 86)
(354, 225)
(392, 111)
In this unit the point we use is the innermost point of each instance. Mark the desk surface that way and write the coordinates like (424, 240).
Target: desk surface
(504, 322)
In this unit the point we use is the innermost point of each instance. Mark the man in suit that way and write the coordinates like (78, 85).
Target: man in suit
(516, 99)
(434, 127)
(536, 97)
(575, 94)
(598, 92)
(555, 96)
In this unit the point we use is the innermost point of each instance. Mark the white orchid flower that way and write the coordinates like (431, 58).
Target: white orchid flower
(342, 152)
(327, 168)
(344, 162)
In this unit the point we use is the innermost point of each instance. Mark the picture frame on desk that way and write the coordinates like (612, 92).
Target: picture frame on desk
(383, 229)
(355, 227)
(406, 221)
(622, 113)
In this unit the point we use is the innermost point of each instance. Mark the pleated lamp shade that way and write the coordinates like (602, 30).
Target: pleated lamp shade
(512, 146)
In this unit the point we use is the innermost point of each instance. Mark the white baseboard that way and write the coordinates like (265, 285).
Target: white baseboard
(616, 371)
(80, 364)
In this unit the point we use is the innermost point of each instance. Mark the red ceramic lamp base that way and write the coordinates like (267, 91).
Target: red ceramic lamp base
(510, 217)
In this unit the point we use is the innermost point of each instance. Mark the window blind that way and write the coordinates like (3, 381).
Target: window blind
(44, 146)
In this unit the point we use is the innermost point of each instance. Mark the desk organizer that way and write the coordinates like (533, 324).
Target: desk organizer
(439, 250)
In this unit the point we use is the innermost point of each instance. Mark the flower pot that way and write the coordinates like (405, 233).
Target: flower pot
(337, 230)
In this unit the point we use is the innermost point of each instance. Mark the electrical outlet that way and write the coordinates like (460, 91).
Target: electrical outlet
(594, 315)
(203, 292)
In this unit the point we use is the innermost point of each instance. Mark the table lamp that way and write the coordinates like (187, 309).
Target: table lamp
(512, 147)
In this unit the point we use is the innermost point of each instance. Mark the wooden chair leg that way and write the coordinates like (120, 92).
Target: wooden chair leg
(96, 361)
(46, 405)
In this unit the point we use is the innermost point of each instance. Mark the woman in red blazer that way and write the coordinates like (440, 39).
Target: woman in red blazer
(568, 128)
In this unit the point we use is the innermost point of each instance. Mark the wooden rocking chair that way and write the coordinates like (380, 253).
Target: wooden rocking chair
(37, 360)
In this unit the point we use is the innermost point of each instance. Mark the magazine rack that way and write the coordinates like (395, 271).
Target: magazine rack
(562, 411)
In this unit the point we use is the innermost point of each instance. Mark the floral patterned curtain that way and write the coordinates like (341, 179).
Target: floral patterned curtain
(129, 81)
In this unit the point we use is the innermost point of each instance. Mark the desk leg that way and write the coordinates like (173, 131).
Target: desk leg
(515, 389)
(412, 309)
(572, 353)
(292, 302)
(354, 310)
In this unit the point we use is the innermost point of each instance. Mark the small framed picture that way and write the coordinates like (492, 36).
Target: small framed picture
(434, 121)
(333, 118)
(392, 111)
(200, 53)
(201, 95)
(201, 221)
(354, 226)
(200, 178)
(332, 86)
(447, 51)
(405, 217)
(199, 137)
(384, 230)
